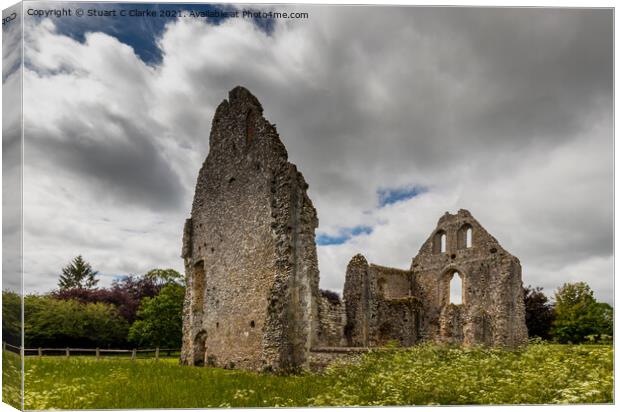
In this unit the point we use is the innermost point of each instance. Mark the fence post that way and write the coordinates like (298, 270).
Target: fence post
(133, 354)
(67, 352)
(97, 353)
(40, 352)
(157, 353)
(3, 346)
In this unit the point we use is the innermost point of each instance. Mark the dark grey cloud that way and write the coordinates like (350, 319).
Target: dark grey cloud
(547, 71)
(11, 153)
(11, 207)
(126, 170)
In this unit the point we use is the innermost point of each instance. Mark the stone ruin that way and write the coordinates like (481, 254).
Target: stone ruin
(409, 306)
(249, 250)
(253, 299)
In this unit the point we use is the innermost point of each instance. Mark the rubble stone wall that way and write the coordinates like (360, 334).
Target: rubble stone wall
(492, 310)
(384, 304)
(253, 301)
(249, 250)
(360, 293)
(332, 318)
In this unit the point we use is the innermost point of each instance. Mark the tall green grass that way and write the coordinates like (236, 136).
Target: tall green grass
(11, 379)
(417, 376)
(442, 376)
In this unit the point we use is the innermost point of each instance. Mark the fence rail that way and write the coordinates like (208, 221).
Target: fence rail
(97, 352)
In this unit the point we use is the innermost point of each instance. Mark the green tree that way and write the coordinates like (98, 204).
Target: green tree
(578, 315)
(163, 277)
(11, 317)
(78, 274)
(60, 323)
(538, 312)
(160, 319)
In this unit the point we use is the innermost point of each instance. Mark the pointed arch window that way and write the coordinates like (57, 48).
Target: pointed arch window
(465, 237)
(456, 289)
(440, 244)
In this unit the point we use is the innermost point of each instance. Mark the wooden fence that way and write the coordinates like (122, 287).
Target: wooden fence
(97, 352)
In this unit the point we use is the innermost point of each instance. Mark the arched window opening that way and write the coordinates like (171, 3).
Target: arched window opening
(464, 236)
(439, 242)
(456, 289)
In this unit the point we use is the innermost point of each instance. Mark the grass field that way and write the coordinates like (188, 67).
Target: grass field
(418, 376)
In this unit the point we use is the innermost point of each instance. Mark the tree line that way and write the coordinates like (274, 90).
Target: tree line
(146, 311)
(575, 317)
(135, 311)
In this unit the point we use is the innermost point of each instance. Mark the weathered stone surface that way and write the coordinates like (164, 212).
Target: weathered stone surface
(322, 357)
(332, 319)
(385, 304)
(249, 250)
(492, 311)
(359, 301)
(252, 298)
(380, 305)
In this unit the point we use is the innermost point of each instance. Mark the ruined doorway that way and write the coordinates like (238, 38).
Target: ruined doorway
(200, 348)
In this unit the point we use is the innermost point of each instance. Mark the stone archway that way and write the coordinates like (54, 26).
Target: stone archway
(452, 316)
(455, 291)
(453, 279)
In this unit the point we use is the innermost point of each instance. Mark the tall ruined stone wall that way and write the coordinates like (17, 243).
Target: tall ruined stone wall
(385, 304)
(392, 283)
(380, 306)
(492, 309)
(397, 307)
(249, 250)
(332, 319)
(358, 294)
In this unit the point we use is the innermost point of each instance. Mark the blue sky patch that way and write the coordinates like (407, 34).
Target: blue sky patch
(390, 196)
(141, 33)
(343, 236)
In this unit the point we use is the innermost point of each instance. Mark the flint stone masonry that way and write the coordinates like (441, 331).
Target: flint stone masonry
(414, 306)
(332, 319)
(380, 305)
(252, 298)
(249, 250)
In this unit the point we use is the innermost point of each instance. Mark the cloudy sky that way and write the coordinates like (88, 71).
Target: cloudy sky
(394, 115)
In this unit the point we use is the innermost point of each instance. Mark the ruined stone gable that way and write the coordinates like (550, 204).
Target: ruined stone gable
(249, 250)
(491, 309)
(415, 305)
